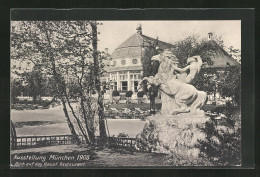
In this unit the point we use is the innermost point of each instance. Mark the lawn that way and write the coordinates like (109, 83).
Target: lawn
(52, 122)
(99, 157)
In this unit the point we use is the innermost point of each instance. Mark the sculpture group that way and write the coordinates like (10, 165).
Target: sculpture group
(178, 95)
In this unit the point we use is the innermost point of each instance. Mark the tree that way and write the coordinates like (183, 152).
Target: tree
(150, 69)
(191, 46)
(97, 73)
(35, 83)
(235, 53)
(16, 89)
(115, 93)
(129, 94)
(64, 48)
(229, 84)
(140, 95)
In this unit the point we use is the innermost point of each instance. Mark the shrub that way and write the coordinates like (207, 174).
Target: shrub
(122, 135)
(115, 93)
(223, 142)
(129, 93)
(140, 94)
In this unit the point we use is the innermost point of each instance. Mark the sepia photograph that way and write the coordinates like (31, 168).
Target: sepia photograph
(132, 93)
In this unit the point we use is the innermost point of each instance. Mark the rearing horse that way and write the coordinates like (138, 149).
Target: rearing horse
(185, 96)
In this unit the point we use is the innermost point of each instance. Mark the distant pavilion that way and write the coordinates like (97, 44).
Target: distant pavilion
(124, 70)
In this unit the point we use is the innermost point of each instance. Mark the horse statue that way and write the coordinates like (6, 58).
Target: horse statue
(186, 96)
(177, 96)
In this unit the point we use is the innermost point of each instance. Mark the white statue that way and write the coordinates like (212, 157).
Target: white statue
(194, 67)
(178, 96)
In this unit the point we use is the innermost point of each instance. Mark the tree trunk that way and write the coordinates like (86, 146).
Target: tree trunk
(71, 126)
(89, 125)
(13, 136)
(77, 119)
(34, 98)
(102, 127)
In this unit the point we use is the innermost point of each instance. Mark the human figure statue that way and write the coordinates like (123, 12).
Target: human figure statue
(194, 66)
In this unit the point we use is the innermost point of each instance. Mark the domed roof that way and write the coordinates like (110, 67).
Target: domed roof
(132, 47)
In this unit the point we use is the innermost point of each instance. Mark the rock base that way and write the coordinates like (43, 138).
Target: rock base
(173, 134)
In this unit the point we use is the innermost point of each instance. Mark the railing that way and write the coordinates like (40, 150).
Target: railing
(122, 142)
(40, 141)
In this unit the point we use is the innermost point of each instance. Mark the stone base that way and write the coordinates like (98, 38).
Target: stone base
(173, 134)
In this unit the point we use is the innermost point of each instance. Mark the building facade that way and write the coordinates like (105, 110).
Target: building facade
(124, 70)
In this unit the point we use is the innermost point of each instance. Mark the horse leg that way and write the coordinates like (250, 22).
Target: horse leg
(183, 108)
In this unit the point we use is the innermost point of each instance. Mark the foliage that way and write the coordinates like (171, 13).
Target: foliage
(206, 80)
(148, 53)
(16, 89)
(192, 45)
(223, 142)
(63, 50)
(122, 135)
(35, 83)
(140, 94)
(153, 92)
(211, 80)
(129, 93)
(229, 84)
(235, 53)
(43, 103)
(115, 93)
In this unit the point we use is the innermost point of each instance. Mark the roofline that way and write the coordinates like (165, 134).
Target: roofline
(142, 35)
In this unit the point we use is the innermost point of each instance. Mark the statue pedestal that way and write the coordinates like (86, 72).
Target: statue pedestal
(173, 134)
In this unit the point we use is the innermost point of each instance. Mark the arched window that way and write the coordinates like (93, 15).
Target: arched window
(123, 62)
(134, 61)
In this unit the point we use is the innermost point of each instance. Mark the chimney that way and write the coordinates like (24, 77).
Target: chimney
(210, 35)
(106, 50)
(139, 29)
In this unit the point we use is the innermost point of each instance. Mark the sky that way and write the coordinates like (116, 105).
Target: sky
(113, 33)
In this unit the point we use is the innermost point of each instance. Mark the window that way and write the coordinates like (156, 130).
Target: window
(123, 62)
(135, 86)
(115, 86)
(124, 86)
(134, 61)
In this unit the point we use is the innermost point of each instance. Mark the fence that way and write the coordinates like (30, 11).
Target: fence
(122, 142)
(41, 141)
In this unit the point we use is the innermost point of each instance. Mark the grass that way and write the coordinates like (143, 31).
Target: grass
(98, 157)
